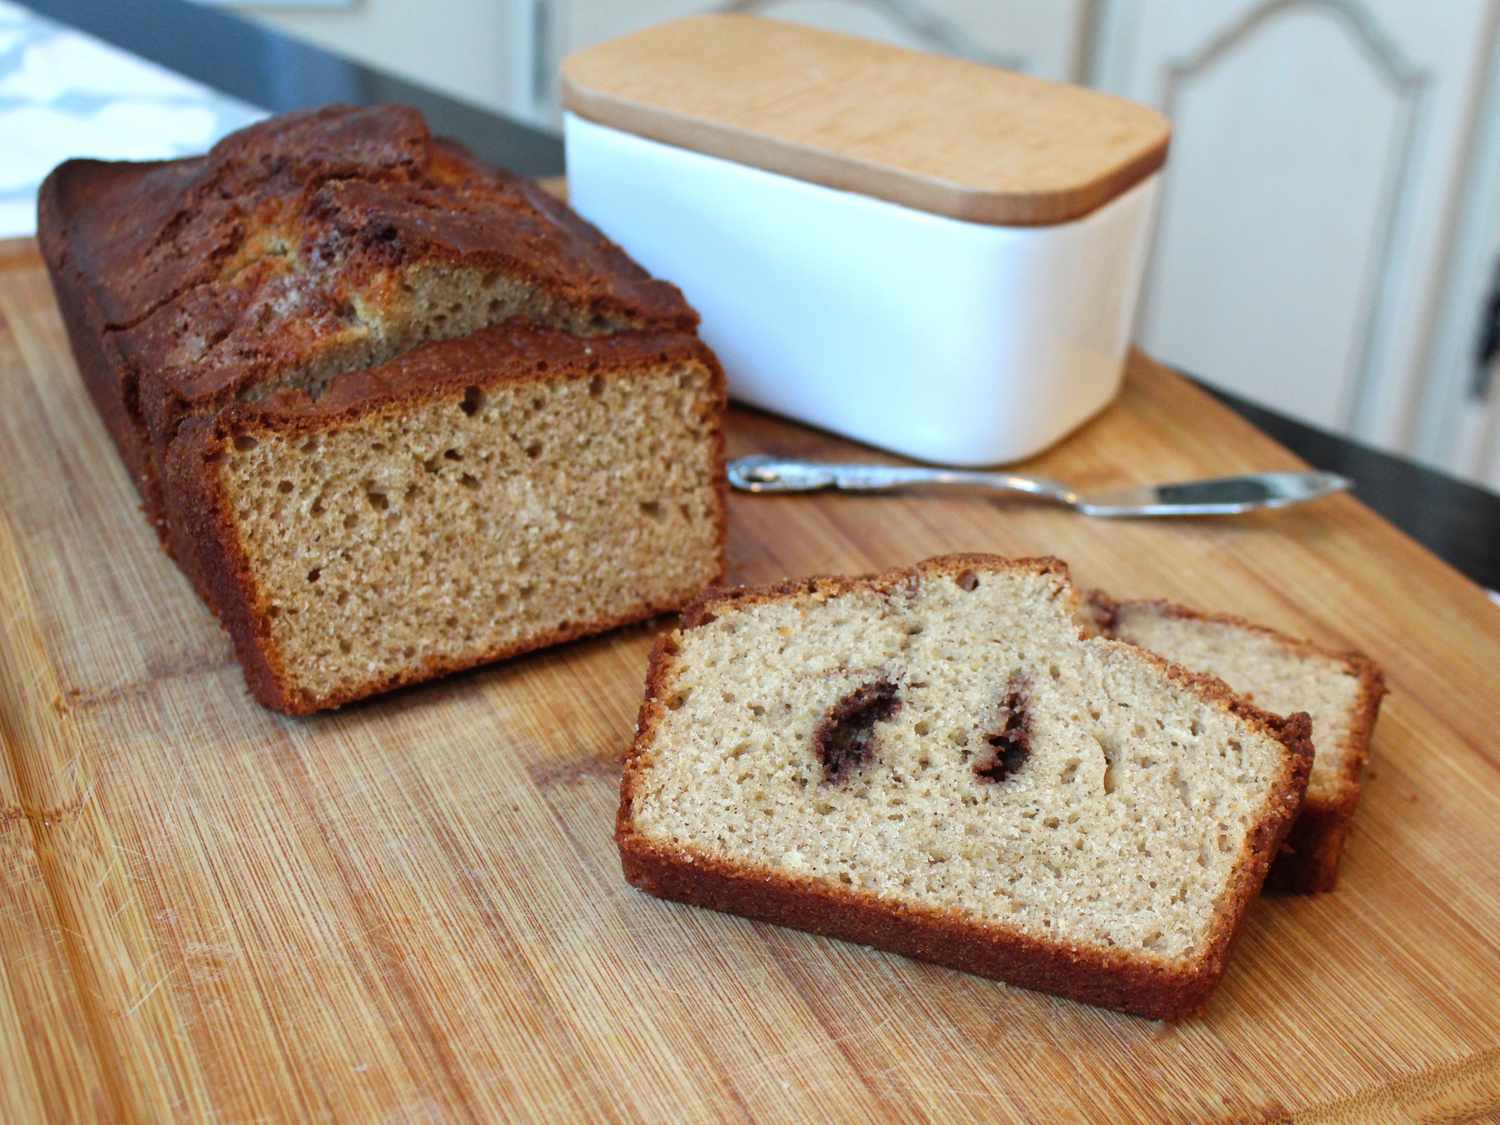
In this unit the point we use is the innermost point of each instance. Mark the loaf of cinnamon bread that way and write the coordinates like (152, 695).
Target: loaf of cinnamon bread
(301, 279)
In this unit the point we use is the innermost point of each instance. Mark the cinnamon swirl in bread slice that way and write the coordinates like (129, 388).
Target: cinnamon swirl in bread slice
(936, 761)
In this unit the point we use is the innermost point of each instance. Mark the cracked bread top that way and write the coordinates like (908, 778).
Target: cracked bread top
(506, 353)
(320, 242)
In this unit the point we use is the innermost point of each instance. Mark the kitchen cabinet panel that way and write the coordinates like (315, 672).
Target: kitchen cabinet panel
(1309, 199)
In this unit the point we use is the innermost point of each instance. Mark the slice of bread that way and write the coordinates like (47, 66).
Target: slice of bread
(471, 500)
(936, 761)
(1341, 691)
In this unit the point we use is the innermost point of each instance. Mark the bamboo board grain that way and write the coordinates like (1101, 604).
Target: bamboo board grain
(413, 909)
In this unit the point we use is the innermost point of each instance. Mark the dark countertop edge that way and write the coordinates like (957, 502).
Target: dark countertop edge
(1458, 522)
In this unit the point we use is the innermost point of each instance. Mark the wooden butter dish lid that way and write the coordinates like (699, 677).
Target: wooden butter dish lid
(942, 135)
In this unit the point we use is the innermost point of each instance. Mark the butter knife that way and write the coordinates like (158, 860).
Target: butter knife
(1221, 496)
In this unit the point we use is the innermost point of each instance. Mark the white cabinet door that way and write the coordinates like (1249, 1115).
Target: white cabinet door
(478, 51)
(1460, 421)
(1041, 37)
(1308, 199)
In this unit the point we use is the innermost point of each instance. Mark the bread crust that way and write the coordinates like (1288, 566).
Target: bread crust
(1308, 862)
(143, 254)
(1092, 974)
(103, 369)
(509, 354)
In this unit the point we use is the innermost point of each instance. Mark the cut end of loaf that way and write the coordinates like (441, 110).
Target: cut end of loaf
(1065, 813)
(406, 527)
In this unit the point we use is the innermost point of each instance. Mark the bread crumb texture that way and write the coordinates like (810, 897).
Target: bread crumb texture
(1001, 765)
(447, 530)
(1272, 672)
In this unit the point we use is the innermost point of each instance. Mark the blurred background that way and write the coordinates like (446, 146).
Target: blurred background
(1329, 239)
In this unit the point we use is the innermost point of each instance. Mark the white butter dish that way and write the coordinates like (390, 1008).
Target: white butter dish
(924, 254)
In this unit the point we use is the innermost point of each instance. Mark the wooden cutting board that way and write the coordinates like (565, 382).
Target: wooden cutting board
(412, 910)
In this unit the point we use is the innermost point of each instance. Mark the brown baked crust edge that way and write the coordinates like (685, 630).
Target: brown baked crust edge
(220, 565)
(1092, 975)
(100, 365)
(1308, 862)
